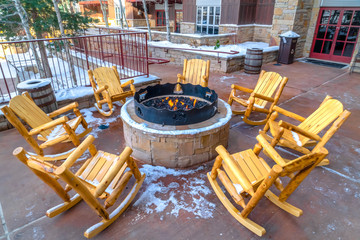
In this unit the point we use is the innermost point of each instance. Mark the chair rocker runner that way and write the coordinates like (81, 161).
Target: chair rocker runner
(102, 176)
(49, 130)
(105, 81)
(246, 174)
(269, 84)
(305, 135)
(196, 72)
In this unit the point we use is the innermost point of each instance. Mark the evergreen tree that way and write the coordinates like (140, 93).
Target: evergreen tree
(42, 21)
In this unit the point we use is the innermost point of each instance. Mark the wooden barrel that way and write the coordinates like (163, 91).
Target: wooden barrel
(41, 92)
(253, 60)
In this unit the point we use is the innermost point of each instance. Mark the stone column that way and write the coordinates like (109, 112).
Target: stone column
(312, 27)
(291, 15)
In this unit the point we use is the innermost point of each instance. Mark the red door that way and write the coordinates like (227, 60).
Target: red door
(336, 34)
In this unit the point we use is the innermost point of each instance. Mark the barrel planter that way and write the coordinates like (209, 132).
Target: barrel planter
(41, 92)
(253, 60)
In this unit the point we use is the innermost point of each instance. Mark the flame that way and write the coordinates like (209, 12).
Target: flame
(194, 102)
(171, 103)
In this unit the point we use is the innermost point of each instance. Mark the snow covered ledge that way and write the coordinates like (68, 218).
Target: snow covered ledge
(175, 146)
(219, 62)
(85, 95)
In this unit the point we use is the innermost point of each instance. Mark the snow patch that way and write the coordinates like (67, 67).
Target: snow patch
(172, 198)
(95, 122)
(33, 84)
(290, 34)
(296, 138)
(241, 48)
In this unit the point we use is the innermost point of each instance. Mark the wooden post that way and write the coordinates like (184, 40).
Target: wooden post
(217, 165)
(264, 186)
(277, 137)
(132, 165)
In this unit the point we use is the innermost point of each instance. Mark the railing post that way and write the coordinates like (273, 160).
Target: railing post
(86, 52)
(147, 55)
(121, 53)
(7, 87)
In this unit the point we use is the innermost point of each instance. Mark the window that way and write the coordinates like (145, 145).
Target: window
(160, 18)
(207, 19)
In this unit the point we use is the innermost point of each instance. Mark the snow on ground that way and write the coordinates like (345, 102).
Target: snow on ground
(173, 198)
(95, 122)
(8, 70)
(162, 196)
(241, 48)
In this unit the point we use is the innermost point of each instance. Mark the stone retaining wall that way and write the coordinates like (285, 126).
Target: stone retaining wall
(226, 65)
(196, 40)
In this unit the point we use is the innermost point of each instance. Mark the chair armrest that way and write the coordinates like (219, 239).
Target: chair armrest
(97, 91)
(48, 125)
(62, 110)
(240, 88)
(289, 114)
(127, 83)
(257, 95)
(238, 173)
(180, 76)
(301, 131)
(271, 151)
(78, 151)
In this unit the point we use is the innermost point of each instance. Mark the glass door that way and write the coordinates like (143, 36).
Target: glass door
(336, 34)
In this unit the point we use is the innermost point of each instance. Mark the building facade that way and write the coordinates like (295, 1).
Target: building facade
(328, 29)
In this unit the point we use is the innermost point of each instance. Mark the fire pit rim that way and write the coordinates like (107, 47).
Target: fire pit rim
(144, 126)
(170, 116)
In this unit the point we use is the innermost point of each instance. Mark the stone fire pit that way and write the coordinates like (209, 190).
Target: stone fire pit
(175, 146)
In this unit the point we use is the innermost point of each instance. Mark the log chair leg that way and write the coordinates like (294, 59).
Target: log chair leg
(252, 226)
(99, 227)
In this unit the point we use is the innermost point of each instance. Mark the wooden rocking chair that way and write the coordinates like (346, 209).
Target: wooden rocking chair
(268, 84)
(305, 134)
(106, 81)
(196, 72)
(102, 176)
(48, 130)
(246, 174)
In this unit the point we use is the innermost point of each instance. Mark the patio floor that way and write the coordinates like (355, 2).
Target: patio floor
(329, 197)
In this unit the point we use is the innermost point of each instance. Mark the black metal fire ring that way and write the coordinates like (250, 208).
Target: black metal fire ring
(177, 117)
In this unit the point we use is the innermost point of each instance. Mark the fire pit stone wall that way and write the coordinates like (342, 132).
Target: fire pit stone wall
(175, 146)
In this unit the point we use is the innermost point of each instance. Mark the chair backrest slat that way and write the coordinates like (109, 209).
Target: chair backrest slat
(194, 70)
(29, 112)
(328, 112)
(267, 85)
(107, 76)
